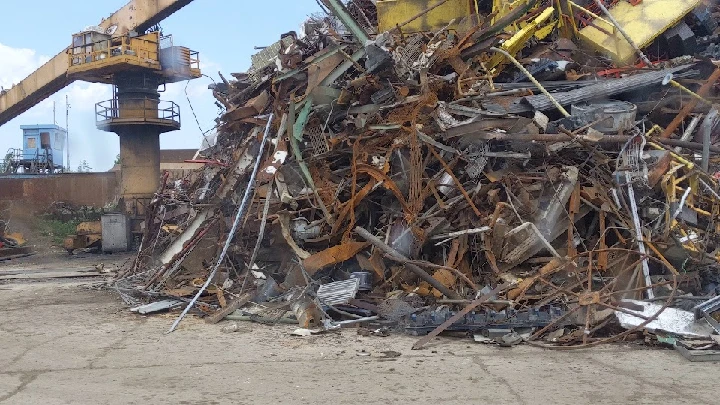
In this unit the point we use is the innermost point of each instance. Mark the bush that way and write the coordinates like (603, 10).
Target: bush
(56, 229)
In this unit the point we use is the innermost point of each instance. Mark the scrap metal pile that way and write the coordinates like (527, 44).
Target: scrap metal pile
(428, 180)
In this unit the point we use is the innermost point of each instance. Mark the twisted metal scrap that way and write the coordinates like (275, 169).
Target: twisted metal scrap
(589, 298)
(240, 214)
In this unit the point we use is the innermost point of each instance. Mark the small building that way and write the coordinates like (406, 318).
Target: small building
(42, 151)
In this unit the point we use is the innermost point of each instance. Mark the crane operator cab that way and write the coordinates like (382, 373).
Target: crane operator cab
(95, 55)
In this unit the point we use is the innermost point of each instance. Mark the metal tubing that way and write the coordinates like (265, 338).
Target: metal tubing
(688, 91)
(639, 235)
(249, 190)
(689, 130)
(706, 129)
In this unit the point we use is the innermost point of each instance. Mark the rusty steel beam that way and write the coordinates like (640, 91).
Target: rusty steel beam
(704, 90)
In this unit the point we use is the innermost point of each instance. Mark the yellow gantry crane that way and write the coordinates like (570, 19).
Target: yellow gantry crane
(123, 51)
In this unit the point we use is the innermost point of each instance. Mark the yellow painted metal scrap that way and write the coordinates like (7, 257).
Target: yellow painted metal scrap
(394, 12)
(643, 23)
(517, 42)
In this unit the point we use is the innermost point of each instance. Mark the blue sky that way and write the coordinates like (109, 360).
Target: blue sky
(223, 31)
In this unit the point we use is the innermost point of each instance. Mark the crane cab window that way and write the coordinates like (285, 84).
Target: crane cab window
(82, 48)
(88, 47)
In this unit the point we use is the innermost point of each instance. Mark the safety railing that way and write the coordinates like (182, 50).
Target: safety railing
(15, 155)
(12, 157)
(111, 48)
(194, 60)
(137, 109)
(16, 159)
(166, 41)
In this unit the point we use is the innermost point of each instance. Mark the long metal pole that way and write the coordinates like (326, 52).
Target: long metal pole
(639, 235)
(706, 129)
(249, 190)
(342, 13)
(67, 132)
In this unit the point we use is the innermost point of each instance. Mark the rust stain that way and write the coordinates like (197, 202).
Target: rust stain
(333, 255)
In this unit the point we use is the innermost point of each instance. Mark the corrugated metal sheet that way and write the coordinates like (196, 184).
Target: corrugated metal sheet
(338, 292)
(601, 90)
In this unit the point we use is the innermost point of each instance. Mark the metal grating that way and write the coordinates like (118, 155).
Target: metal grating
(266, 57)
(407, 55)
(338, 292)
(477, 158)
(318, 140)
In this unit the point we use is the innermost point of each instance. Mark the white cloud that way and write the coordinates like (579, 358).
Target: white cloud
(17, 63)
(86, 141)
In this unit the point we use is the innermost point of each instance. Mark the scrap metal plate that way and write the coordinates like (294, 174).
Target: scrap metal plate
(643, 23)
(338, 292)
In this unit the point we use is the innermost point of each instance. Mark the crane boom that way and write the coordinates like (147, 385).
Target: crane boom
(136, 15)
(41, 84)
(140, 15)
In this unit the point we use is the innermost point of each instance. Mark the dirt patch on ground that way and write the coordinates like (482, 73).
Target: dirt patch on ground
(46, 230)
(66, 343)
(27, 222)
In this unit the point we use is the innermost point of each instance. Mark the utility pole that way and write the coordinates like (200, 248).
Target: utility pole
(54, 120)
(67, 131)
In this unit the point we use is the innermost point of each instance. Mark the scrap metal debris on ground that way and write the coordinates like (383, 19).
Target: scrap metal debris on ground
(12, 245)
(457, 166)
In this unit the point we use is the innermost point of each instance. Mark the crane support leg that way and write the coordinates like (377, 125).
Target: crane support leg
(138, 117)
(140, 167)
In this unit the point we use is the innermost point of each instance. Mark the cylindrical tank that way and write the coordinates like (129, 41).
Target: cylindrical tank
(137, 95)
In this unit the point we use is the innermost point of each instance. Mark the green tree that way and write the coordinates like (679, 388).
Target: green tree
(5, 163)
(84, 167)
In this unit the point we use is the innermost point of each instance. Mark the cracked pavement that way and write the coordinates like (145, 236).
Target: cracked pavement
(64, 343)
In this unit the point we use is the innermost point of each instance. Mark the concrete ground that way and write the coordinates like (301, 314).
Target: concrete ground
(62, 342)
